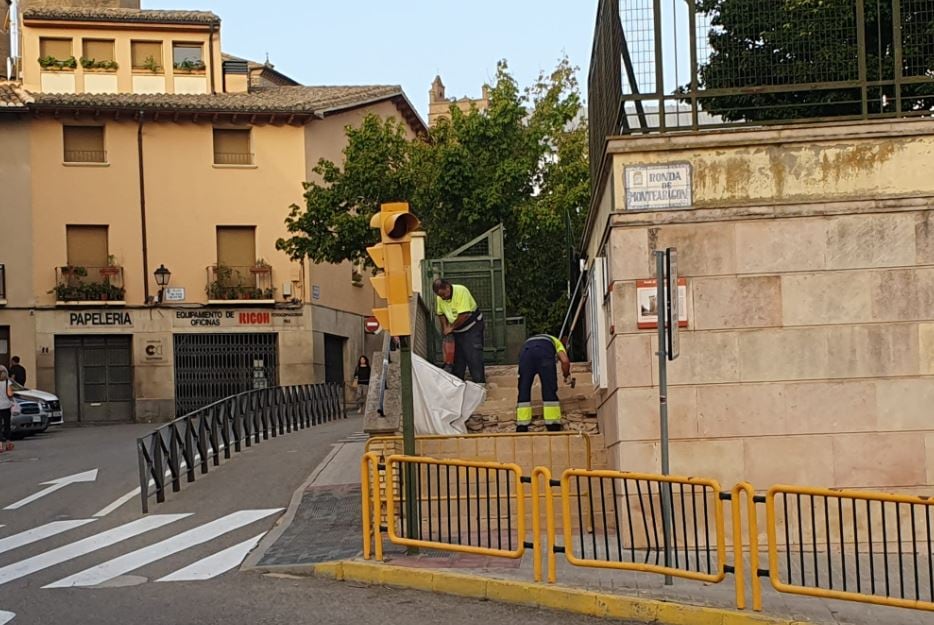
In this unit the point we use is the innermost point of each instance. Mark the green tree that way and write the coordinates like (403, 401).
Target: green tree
(779, 43)
(522, 163)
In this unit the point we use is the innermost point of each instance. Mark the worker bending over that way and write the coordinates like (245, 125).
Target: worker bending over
(538, 358)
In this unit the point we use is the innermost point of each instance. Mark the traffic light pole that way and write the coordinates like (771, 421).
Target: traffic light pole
(413, 525)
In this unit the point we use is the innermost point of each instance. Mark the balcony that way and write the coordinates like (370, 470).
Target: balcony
(240, 285)
(85, 156)
(233, 158)
(2, 285)
(89, 286)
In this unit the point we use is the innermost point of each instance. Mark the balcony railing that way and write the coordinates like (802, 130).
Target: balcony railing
(85, 156)
(3, 283)
(228, 283)
(233, 158)
(75, 283)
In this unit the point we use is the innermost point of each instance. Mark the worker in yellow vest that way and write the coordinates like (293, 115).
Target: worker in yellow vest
(461, 317)
(538, 357)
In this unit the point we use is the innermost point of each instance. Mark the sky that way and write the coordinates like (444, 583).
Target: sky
(405, 42)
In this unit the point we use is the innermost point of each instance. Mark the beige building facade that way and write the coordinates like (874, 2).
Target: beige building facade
(808, 253)
(184, 165)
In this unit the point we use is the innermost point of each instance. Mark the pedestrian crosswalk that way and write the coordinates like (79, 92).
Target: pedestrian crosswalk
(57, 557)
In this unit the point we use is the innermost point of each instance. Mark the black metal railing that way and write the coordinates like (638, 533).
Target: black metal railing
(199, 439)
(2, 281)
(226, 282)
(85, 156)
(233, 158)
(76, 283)
(711, 63)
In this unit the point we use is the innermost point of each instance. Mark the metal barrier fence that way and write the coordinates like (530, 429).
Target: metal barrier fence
(867, 547)
(202, 436)
(851, 545)
(463, 506)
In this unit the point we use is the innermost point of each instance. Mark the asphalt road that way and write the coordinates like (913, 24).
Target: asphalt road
(86, 554)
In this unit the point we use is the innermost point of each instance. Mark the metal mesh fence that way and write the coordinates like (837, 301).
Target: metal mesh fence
(756, 62)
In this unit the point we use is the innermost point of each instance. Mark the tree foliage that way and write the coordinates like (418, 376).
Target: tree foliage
(521, 163)
(776, 43)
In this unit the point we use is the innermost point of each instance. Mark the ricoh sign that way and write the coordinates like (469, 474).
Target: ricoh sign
(221, 318)
(658, 187)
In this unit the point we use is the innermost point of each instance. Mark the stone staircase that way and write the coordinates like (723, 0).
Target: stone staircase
(498, 412)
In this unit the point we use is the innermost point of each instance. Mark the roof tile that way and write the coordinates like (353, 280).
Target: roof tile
(146, 16)
(297, 100)
(12, 97)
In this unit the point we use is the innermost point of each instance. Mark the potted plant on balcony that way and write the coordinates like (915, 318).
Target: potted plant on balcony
(111, 268)
(261, 266)
(93, 65)
(269, 293)
(189, 66)
(54, 64)
(152, 65)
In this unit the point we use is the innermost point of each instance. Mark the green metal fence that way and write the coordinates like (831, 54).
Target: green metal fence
(478, 265)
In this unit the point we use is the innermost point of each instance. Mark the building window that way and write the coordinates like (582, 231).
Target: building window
(236, 257)
(52, 50)
(98, 54)
(87, 246)
(146, 55)
(84, 144)
(188, 56)
(232, 147)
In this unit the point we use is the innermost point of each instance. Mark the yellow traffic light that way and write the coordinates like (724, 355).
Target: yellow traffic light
(394, 257)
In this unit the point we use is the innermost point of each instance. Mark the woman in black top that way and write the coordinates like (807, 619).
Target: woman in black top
(361, 378)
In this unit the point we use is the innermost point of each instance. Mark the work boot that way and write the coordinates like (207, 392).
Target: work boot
(522, 428)
(553, 427)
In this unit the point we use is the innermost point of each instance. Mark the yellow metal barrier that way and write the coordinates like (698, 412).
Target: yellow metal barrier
(825, 525)
(745, 488)
(644, 540)
(542, 473)
(473, 502)
(370, 493)
(867, 547)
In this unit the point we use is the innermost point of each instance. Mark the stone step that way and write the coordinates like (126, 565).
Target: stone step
(512, 371)
(494, 393)
(507, 407)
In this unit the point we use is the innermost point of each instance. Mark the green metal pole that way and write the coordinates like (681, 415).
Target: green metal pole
(413, 524)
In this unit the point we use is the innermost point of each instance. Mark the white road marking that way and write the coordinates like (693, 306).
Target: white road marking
(62, 482)
(85, 546)
(141, 557)
(6, 617)
(217, 564)
(117, 503)
(39, 533)
(136, 491)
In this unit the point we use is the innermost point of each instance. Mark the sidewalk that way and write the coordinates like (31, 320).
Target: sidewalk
(323, 526)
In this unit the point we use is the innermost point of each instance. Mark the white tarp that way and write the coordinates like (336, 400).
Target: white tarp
(442, 402)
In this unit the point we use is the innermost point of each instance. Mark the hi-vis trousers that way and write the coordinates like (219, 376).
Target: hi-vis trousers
(538, 358)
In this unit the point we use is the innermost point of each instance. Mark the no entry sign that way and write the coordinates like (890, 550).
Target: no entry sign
(371, 324)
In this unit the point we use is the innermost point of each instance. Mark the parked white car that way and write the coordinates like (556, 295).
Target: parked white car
(48, 402)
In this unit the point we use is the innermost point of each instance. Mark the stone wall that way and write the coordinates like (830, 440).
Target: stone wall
(809, 355)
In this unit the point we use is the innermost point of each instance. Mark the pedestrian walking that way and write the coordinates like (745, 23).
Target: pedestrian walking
(361, 379)
(461, 318)
(6, 410)
(17, 371)
(537, 358)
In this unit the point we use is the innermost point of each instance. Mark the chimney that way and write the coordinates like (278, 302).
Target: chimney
(236, 77)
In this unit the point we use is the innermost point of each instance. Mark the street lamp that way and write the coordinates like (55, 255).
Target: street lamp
(162, 279)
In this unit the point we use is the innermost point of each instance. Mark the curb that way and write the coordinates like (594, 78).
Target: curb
(549, 596)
